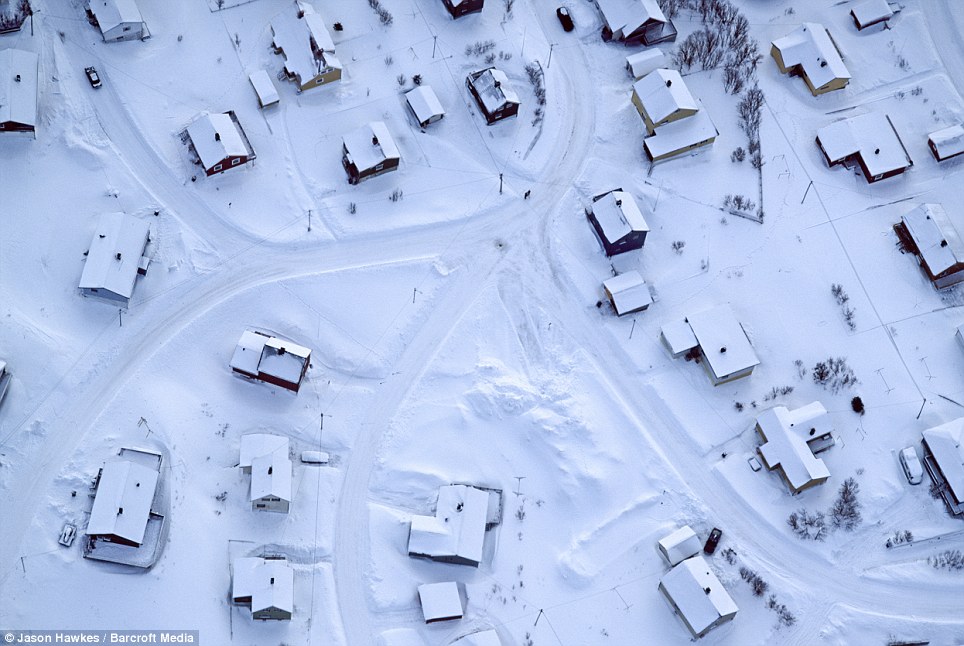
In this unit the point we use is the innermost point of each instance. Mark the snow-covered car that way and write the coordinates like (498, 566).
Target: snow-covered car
(92, 76)
(4, 379)
(911, 465)
(562, 13)
(68, 534)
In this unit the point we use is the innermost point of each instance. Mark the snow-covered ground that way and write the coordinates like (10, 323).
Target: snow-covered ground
(457, 333)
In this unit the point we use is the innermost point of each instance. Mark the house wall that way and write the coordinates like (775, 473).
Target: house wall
(270, 503)
(630, 242)
(467, 7)
(355, 175)
(836, 84)
(328, 76)
(457, 560)
(272, 613)
(13, 126)
(740, 374)
(951, 277)
(124, 31)
(778, 57)
(106, 295)
(674, 153)
(226, 164)
(861, 27)
(937, 155)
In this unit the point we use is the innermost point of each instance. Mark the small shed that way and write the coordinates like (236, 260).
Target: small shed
(440, 601)
(628, 293)
(424, 105)
(870, 12)
(617, 221)
(947, 142)
(680, 545)
(265, 89)
(642, 63)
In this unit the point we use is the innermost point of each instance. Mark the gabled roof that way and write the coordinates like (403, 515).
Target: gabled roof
(424, 103)
(18, 99)
(663, 93)
(698, 593)
(723, 341)
(294, 36)
(629, 291)
(269, 582)
(811, 48)
(113, 13)
(493, 88)
(618, 215)
(440, 600)
(871, 11)
(271, 476)
(122, 503)
(115, 254)
(260, 354)
(786, 446)
(458, 527)
(627, 16)
(935, 237)
(680, 545)
(946, 444)
(871, 136)
(255, 445)
(948, 141)
(370, 145)
(681, 134)
(315, 24)
(216, 137)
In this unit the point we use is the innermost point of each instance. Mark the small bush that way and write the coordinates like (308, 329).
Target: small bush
(738, 154)
(808, 526)
(952, 560)
(857, 404)
(834, 374)
(757, 584)
(678, 246)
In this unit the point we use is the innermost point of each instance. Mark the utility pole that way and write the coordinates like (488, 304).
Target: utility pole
(500, 183)
(120, 318)
(309, 219)
(434, 43)
(549, 62)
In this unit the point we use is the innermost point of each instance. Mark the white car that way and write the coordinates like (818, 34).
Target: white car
(911, 465)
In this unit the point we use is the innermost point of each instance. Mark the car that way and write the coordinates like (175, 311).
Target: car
(754, 463)
(68, 534)
(713, 540)
(562, 13)
(911, 465)
(92, 76)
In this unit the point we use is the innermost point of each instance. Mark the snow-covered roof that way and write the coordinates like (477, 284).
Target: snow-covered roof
(123, 501)
(723, 341)
(948, 141)
(316, 28)
(663, 93)
(294, 36)
(628, 291)
(680, 134)
(216, 137)
(680, 545)
(260, 354)
(267, 93)
(679, 336)
(698, 593)
(935, 237)
(370, 145)
(482, 638)
(644, 62)
(113, 13)
(811, 48)
(492, 86)
(255, 445)
(458, 527)
(946, 444)
(786, 446)
(269, 582)
(18, 98)
(271, 476)
(871, 136)
(626, 16)
(424, 103)
(618, 215)
(871, 11)
(440, 600)
(115, 254)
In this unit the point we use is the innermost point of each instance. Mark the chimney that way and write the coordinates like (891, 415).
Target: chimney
(669, 82)
(118, 255)
(17, 78)
(374, 140)
(217, 136)
(877, 151)
(943, 243)
(706, 590)
(619, 202)
(120, 510)
(723, 350)
(138, 484)
(823, 63)
(270, 470)
(497, 83)
(272, 580)
(281, 351)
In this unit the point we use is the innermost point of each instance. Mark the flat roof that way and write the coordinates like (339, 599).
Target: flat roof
(936, 238)
(681, 134)
(698, 593)
(679, 336)
(662, 93)
(115, 254)
(871, 136)
(944, 442)
(370, 145)
(18, 99)
(644, 62)
(723, 341)
(440, 600)
(811, 48)
(680, 545)
(871, 11)
(264, 87)
(786, 446)
(122, 502)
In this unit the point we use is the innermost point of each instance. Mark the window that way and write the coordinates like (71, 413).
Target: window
(217, 168)
(878, 177)
(380, 166)
(235, 161)
(127, 28)
(260, 506)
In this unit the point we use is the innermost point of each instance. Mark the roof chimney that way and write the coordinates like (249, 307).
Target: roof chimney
(217, 136)
(374, 140)
(706, 590)
(270, 470)
(823, 63)
(619, 202)
(120, 510)
(943, 243)
(272, 580)
(669, 82)
(17, 78)
(877, 151)
(723, 350)
(497, 83)
(118, 255)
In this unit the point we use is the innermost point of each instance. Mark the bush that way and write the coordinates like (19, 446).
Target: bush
(858, 405)
(808, 526)
(952, 560)
(845, 512)
(738, 154)
(758, 585)
(835, 374)
(678, 246)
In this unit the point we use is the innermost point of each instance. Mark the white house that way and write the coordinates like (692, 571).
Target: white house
(719, 341)
(790, 439)
(270, 359)
(271, 482)
(117, 20)
(870, 140)
(680, 545)
(19, 83)
(929, 234)
(642, 63)
(264, 88)
(811, 53)
(122, 503)
(944, 460)
(306, 44)
(456, 533)
(116, 258)
(266, 585)
(369, 151)
(628, 293)
(870, 12)
(947, 142)
(618, 223)
(440, 601)
(219, 142)
(424, 105)
(697, 596)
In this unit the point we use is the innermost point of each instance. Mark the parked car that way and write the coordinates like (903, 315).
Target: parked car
(68, 534)
(713, 540)
(911, 465)
(754, 463)
(562, 13)
(92, 76)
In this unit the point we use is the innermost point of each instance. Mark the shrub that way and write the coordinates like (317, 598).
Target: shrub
(835, 374)
(808, 526)
(845, 511)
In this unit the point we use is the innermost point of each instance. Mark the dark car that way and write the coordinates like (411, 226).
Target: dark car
(562, 13)
(92, 76)
(713, 541)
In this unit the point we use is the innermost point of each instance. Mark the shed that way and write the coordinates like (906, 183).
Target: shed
(266, 585)
(456, 533)
(680, 545)
(628, 293)
(272, 360)
(642, 63)
(369, 151)
(617, 222)
(494, 94)
(19, 84)
(440, 601)
(661, 97)
(424, 105)
(811, 53)
(264, 88)
(930, 235)
(947, 142)
(868, 140)
(697, 596)
(219, 142)
(118, 20)
(870, 12)
(116, 258)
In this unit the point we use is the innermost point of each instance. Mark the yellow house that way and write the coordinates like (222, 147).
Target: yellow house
(307, 46)
(811, 53)
(662, 97)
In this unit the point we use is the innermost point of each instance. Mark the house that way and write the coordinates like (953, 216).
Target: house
(424, 105)
(680, 545)
(681, 136)
(19, 83)
(493, 94)
(947, 142)
(265, 457)
(117, 20)
(930, 235)
(697, 596)
(481, 638)
(870, 12)
(642, 63)
(944, 460)
(456, 533)
(266, 585)
(122, 503)
(810, 52)
(116, 258)
(440, 601)
(717, 339)
(868, 140)
(661, 97)
(272, 360)
(369, 151)
(628, 293)
(254, 445)
(264, 88)
(635, 22)
(219, 143)
(459, 8)
(306, 44)
(790, 441)
(617, 221)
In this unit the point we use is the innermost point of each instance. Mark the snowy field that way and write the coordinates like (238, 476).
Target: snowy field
(460, 332)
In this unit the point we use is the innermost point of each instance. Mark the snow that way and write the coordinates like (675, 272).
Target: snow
(642, 63)
(680, 545)
(871, 136)
(811, 48)
(697, 592)
(216, 137)
(935, 237)
(123, 501)
(785, 447)
(370, 145)
(440, 601)
(264, 87)
(869, 12)
(663, 93)
(255, 445)
(268, 582)
(18, 98)
(481, 638)
(945, 443)
(424, 104)
(115, 254)
(628, 292)
(948, 141)
(678, 135)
